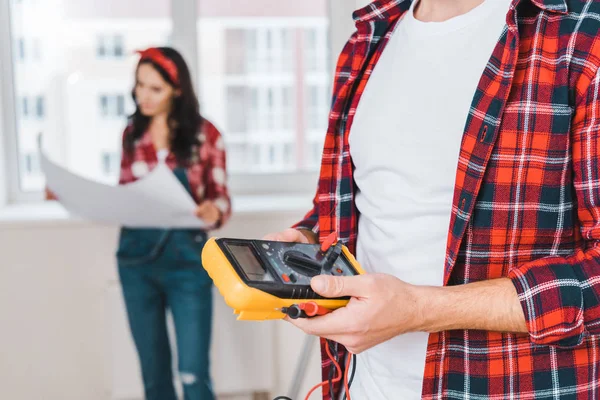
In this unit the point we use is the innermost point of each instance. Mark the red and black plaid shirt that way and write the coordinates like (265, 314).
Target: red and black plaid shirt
(206, 170)
(526, 202)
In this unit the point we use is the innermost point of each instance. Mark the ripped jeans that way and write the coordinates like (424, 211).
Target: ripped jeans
(168, 274)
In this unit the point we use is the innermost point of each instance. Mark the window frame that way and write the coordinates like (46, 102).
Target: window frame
(184, 37)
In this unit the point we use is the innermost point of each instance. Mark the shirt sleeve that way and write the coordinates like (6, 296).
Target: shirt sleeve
(560, 296)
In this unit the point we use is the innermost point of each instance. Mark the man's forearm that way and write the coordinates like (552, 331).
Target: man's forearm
(489, 305)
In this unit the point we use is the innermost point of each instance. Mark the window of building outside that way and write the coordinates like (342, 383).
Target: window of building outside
(273, 74)
(32, 163)
(110, 46)
(112, 105)
(32, 107)
(110, 163)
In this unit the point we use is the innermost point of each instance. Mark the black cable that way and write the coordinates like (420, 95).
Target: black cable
(282, 398)
(333, 349)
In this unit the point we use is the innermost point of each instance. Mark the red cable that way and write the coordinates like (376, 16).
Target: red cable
(329, 241)
(335, 380)
(312, 309)
(346, 386)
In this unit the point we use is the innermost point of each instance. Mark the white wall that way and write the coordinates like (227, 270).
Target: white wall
(63, 334)
(3, 161)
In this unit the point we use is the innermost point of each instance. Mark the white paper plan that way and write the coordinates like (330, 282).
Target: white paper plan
(157, 200)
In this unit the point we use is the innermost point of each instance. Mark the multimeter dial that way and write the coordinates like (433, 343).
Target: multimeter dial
(302, 263)
(296, 264)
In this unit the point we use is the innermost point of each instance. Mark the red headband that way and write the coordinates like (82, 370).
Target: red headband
(155, 55)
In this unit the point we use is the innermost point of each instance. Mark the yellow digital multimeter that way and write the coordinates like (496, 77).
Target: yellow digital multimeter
(259, 278)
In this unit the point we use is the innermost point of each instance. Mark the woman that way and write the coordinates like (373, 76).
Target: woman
(162, 269)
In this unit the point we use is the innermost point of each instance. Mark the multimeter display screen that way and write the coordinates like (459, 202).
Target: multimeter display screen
(249, 263)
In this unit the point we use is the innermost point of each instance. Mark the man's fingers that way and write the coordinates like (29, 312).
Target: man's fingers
(288, 235)
(340, 286)
(339, 322)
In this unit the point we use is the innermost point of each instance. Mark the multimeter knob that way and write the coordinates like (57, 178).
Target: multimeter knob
(302, 263)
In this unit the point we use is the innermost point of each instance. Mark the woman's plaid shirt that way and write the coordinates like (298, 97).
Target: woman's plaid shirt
(526, 203)
(206, 170)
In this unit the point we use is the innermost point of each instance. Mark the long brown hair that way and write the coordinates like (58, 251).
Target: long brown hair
(184, 119)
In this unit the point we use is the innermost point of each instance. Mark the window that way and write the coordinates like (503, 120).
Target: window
(110, 46)
(256, 154)
(33, 107)
(237, 153)
(270, 109)
(25, 107)
(237, 101)
(39, 107)
(120, 105)
(110, 164)
(28, 49)
(37, 49)
(316, 121)
(235, 51)
(287, 108)
(21, 48)
(101, 48)
(112, 106)
(31, 172)
(251, 50)
(118, 46)
(104, 105)
(317, 107)
(288, 154)
(315, 57)
(32, 164)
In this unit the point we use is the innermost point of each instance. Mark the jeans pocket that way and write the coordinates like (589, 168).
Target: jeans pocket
(139, 246)
(188, 246)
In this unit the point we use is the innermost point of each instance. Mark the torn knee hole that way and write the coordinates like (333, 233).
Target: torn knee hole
(187, 378)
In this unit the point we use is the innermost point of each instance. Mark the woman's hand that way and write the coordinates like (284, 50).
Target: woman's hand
(48, 195)
(208, 212)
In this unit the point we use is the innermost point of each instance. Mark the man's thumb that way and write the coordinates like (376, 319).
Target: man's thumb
(336, 286)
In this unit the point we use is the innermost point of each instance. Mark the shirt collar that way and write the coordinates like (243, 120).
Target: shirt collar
(390, 9)
(559, 6)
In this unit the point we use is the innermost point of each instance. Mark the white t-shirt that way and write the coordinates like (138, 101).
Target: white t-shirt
(405, 142)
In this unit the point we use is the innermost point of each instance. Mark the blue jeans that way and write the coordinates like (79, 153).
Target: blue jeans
(160, 270)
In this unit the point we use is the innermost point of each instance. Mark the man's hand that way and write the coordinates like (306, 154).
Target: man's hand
(208, 212)
(293, 236)
(381, 308)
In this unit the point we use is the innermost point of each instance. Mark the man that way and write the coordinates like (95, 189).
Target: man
(484, 279)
